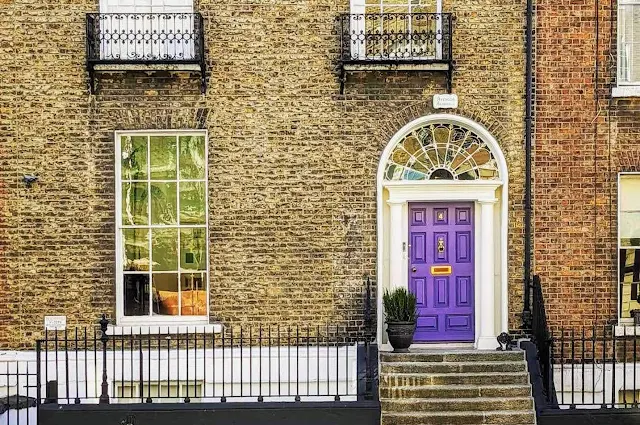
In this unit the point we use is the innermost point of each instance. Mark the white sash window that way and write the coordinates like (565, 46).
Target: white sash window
(162, 226)
(629, 244)
(629, 42)
(147, 29)
(396, 29)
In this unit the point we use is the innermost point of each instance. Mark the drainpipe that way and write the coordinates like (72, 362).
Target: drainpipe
(526, 310)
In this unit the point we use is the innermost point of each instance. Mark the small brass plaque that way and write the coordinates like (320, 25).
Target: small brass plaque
(440, 270)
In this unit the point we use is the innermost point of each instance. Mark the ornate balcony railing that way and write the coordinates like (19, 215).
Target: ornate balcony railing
(396, 37)
(115, 39)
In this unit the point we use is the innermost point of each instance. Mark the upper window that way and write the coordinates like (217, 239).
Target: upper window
(147, 30)
(146, 6)
(629, 42)
(441, 152)
(162, 224)
(396, 29)
(629, 242)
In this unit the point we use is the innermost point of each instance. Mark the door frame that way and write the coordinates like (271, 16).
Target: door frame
(490, 199)
(431, 226)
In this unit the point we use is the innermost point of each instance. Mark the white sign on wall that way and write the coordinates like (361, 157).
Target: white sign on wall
(445, 101)
(55, 323)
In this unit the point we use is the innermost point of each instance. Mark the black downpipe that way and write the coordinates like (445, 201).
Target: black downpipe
(526, 310)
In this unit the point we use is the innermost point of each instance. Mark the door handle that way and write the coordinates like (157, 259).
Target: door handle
(413, 269)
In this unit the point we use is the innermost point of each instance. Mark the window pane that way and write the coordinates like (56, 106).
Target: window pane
(136, 248)
(165, 293)
(134, 203)
(629, 280)
(423, 28)
(192, 162)
(134, 157)
(629, 43)
(136, 294)
(192, 203)
(629, 205)
(403, 4)
(194, 295)
(630, 228)
(163, 157)
(164, 245)
(193, 249)
(164, 205)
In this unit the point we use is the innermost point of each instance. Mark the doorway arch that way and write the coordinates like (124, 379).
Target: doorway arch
(446, 158)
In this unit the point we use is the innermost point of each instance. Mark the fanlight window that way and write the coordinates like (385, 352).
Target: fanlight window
(441, 151)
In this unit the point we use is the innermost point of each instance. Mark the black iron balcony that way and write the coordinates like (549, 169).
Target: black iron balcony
(396, 41)
(147, 41)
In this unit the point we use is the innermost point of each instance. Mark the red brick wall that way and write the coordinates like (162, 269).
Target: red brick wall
(582, 139)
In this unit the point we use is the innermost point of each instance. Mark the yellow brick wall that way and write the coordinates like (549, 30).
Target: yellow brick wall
(292, 163)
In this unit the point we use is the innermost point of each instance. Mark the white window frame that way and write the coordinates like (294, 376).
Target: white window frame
(126, 7)
(357, 26)
(146, 6)
(621, 320)
(157, 320)
(624, 88)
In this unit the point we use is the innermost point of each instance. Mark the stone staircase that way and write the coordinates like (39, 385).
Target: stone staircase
(455, 388)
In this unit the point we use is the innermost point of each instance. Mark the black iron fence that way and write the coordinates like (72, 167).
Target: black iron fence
(145, 37)
(415, 37)
(589, 367)
(19, 393)
(596, 366)
(542, 338)
(259, 363)
(250, 363)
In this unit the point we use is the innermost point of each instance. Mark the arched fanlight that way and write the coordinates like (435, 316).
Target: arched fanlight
(441, 151)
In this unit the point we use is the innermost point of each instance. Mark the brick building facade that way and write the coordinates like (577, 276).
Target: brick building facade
(291, 161)
(585, 140)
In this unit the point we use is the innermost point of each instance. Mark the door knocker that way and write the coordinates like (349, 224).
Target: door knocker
(440, 244)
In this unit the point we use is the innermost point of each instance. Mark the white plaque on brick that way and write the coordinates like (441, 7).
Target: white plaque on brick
(445, 101)
(55, 323)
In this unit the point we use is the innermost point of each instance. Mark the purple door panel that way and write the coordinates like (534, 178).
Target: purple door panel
(441, 270)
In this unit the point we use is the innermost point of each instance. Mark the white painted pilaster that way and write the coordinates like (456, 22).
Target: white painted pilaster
(486, 288)
(395, 244)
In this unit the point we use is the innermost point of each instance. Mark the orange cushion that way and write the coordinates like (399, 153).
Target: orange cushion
(194, 303)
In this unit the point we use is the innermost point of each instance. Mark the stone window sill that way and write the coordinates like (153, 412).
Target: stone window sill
(626, 91)
(629, 330)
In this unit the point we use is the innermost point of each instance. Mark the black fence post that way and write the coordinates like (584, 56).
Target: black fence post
(38, 373)
(104, 338)
(51, 392)
(368, 387)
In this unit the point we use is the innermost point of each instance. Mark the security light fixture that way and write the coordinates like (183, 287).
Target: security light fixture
(29, 179)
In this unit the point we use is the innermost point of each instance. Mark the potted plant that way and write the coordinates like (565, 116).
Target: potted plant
(400, 316)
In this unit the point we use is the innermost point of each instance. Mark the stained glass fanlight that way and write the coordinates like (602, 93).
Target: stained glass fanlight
(441, 151)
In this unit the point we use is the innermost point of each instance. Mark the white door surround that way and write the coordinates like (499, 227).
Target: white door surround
(490, 199)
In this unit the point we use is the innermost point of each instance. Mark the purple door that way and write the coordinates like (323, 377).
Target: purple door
(441, 270)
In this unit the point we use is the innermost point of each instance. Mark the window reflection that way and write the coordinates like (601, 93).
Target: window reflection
(629, 280)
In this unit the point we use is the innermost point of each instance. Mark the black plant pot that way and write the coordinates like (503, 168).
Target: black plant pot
(401, 335)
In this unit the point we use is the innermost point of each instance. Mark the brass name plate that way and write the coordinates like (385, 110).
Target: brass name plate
(440, 270)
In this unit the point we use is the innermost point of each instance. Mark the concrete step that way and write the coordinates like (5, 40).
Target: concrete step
(424, 379)
(456, 391)
(478, 404)
(452, 367)
(455, 356)
(459, 418)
